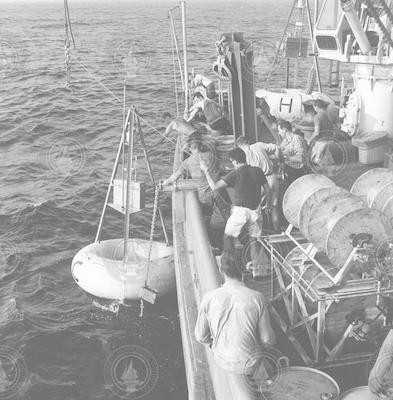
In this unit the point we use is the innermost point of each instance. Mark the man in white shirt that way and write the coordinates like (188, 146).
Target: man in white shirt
(257, 157)
(234, 321)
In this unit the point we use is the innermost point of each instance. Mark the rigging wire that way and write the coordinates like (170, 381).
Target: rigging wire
(68, 26)
(119, 100)
(280, 45)
(174, 76)
(67, 42)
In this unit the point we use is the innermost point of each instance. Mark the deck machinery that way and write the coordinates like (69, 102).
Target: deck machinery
(331, 292)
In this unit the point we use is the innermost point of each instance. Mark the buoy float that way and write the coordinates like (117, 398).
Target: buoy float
(127, 269)
(99, 269)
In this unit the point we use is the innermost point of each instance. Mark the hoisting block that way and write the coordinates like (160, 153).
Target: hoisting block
(148, 295)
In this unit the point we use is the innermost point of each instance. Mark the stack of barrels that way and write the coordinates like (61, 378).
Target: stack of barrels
(331, 218)
(335, 220)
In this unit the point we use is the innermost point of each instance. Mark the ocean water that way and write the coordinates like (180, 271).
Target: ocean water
(57, 148)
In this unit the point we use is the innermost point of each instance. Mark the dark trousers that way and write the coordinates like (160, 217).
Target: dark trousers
(292, 174)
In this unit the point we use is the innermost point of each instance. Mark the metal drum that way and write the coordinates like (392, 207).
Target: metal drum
(377, 177)
(387, 209)
(301, 383)
(298, 192)
(339, 219)
(312, 201)
(379, 195)
(358, 393)
(329, 212)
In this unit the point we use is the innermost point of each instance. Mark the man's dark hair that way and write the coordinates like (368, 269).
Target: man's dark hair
(320, 104)
(229, 265)
(285, 125)
(199, 95)
(238, 155)
(242, 140)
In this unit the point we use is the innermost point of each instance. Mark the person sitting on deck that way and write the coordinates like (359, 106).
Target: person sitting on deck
(208, 199)
(257, 157)
(292, 151)
(201, 82)
(380, 381)
(245, 222)
(215, 118)
(324, 129)
(234, 322)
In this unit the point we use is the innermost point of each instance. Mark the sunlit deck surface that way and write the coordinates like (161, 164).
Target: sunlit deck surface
(346, 377)
(189, 293)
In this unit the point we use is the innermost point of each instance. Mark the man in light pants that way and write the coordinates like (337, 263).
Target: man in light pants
(246, 216)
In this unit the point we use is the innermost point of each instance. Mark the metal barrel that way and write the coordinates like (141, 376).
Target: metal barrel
(379, 195)
(329, 211)
(300, 383)
(339, 219)
(373, 178)
(298, 192)
(312, 201)
(376, 187)
(358, 393)
(387, 208)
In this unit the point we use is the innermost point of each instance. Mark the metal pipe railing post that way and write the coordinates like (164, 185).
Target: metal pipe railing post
(176, 43)
(311, 30)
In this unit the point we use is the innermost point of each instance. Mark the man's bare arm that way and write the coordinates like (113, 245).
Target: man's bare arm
(174, 177)
(202, 328)
(193, 112)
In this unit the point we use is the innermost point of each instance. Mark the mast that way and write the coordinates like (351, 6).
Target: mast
(312, 37)
(185, 56)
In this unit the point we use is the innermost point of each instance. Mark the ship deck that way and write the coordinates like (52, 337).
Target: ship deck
(192, 283)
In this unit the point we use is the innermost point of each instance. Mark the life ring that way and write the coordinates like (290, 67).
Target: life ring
(99, 269)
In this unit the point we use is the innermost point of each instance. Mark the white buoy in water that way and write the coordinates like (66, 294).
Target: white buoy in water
(99, 269)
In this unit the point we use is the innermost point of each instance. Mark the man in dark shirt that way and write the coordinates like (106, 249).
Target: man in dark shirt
(246, 217)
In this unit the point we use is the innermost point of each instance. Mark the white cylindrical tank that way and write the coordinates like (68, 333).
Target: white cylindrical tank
(373, 88)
